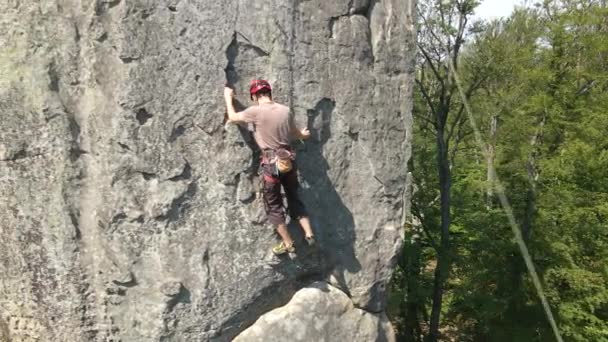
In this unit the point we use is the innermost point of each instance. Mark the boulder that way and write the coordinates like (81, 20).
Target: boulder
(319, 312)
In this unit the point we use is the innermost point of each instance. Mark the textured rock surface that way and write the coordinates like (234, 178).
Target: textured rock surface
(319, 313)
(129, 212)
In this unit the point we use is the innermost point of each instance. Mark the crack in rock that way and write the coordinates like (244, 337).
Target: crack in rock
(143, 116)
(363, 10)
(179, 205)
(185, 175)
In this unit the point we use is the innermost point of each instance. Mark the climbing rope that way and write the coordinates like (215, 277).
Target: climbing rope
(292, 51)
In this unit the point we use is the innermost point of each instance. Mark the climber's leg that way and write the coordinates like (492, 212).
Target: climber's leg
(284, 233)
(309, 235)
(286, 246)
(273, 203)
(296, 208)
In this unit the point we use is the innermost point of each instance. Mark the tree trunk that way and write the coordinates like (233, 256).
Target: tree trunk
(527, 223)
(490, 156)
(412, 303)
(410, 262)
(443, 257)
(532, 171)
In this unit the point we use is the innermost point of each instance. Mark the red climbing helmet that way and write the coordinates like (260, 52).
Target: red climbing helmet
(257, 85)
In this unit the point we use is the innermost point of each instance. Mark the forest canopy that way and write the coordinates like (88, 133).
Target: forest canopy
(536, 83)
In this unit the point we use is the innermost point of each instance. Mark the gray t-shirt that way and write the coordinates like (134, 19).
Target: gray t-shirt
(272, 123)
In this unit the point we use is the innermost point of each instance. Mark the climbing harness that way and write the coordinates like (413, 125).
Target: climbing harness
(279, 160)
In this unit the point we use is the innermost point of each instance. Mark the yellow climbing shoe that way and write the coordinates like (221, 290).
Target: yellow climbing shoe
(282, 248)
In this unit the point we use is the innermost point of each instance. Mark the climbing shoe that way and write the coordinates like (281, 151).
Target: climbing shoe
(310, 240)
(281, 249)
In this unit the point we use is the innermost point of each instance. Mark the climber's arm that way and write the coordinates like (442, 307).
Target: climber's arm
(299, 134)
(233, 116)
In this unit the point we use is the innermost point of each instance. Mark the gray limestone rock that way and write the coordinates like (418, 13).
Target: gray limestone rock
(130, 211)
(319, 313)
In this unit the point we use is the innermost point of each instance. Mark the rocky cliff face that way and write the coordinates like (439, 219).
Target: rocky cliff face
(129, 211)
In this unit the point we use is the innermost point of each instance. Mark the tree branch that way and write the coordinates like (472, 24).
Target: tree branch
(420, 217)
(459, 137)
(425, 119)
(429, 28)
(455, 122)
(427, 57)
(426, 96)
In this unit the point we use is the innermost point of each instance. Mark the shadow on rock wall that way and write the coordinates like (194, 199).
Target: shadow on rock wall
(332, 220)
(246, 131)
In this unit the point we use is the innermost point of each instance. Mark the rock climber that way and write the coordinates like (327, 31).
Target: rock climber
(274, 127)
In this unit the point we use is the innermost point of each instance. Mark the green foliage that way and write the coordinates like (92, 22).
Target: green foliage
(545, 84)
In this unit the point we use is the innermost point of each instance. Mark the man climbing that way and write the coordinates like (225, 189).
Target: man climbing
(273, 129)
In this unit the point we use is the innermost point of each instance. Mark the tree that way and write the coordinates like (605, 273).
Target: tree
(547, 90)
(441, 36)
